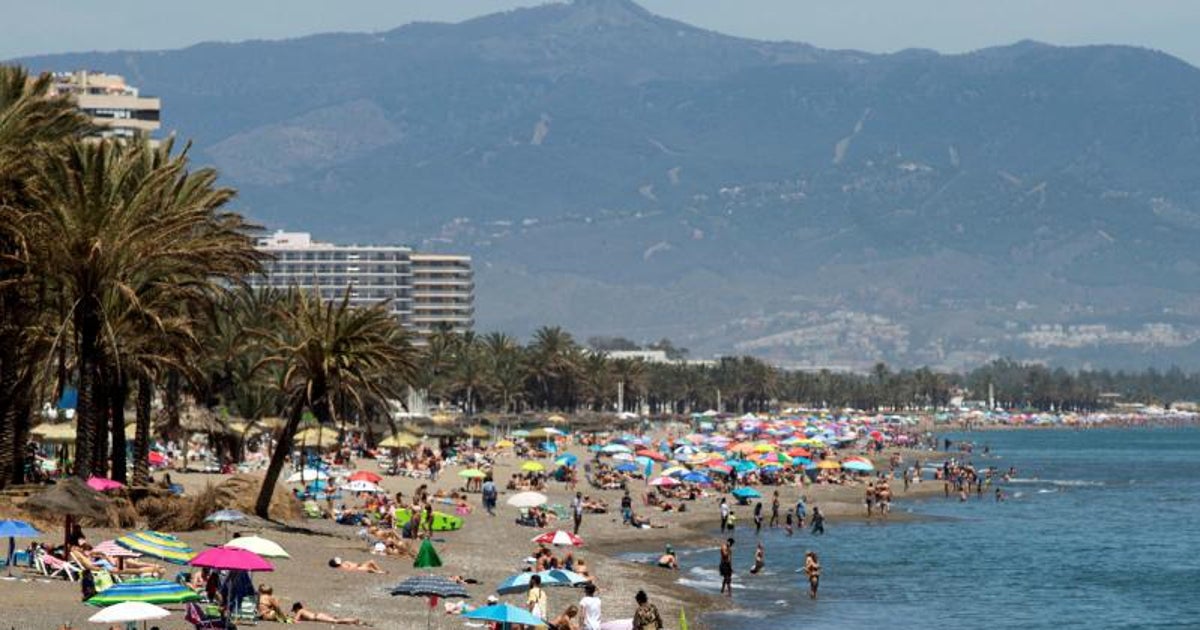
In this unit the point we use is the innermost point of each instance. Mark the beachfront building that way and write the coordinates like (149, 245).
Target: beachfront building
(114, 106)
(424, 291)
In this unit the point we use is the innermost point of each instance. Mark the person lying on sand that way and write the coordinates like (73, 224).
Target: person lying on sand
(300, 613)
(370, 566)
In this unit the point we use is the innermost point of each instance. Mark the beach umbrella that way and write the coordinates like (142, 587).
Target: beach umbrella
(308, 474)
(504, 444)
(232, 559)
(506, 615)
(858, 465)
(532, 466)
(616, 448)
(261, 546)
(403, 440)
(362, 486)
(696, 477)
(742, 466)
(111, 549)
(226, 516)
(676, 470)
(654, 455)
(157, 545)
(316, 436)
(12, 530)
(559, 538)
(101, 484)
(427, 556)
(828, 464)
(472, 473)
(566, 460)
(627, 467)
(127, 612)
(147, 591)
(520, 433)
(519, 583)
(527, 499)
(747, 493)
(431, 586)
(623, 457)
(664, 481)
(365, 475)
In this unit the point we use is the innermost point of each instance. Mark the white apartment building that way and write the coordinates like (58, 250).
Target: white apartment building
(113, 105)
(424, 291)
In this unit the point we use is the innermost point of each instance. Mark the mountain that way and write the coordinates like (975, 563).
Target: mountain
(618, 172)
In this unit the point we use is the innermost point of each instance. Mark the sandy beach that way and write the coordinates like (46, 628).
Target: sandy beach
(487, 549)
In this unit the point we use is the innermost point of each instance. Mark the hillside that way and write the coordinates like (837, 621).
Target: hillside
(622, 173)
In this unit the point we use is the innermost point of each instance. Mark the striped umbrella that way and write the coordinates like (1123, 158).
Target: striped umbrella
(147, 591)
(111, 549)
(158, 545)
(429, 586)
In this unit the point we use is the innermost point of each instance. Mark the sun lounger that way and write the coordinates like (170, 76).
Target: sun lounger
(53, 567)
(205, 617)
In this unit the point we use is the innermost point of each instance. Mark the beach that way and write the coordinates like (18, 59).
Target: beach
(487, 549)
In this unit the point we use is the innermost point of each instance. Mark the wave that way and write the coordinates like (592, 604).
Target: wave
(1047, 491)
(1066, 483)
(706, 585)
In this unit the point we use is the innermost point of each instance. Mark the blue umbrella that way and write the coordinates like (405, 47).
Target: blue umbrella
(519, 583)
(13, 530)
(747, 493)
(505, 615)
(696, 477)
(627, 467)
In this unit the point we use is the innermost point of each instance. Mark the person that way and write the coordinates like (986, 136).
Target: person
(565, 621)
(577, 511)
(818, 521)
(775, 510)
(801, 511)
(870, 498)
(536, 601)
(788, 523)
(726, 568)
(812, 568)
(489, 495)
(760, 559)
(589, 606)
(724, 514)
(269, 607)
(668, 560)
(646, 616)
(626, 508)
(427, 520)
(370, 566)
(300, 613)
(758, 518)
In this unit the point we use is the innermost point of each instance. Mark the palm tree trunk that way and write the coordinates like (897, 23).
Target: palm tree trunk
(118, 395)
(262, 506)
(87, 409)
(8, 444)
(141, 440)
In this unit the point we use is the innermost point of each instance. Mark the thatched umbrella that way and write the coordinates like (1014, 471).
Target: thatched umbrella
(71, 499)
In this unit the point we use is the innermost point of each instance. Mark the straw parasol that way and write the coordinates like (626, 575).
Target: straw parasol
(55, 433)
(401, 440)
(70, 497)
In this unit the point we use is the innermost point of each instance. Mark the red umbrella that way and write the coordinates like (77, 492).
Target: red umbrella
(560, 538)
(800, 452)
(365, 475)
(655, 455)
(157, 459)
(231, 558)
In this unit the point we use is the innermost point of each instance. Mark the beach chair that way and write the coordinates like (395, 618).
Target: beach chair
(246, 613)
(52, 567)
(205, 617)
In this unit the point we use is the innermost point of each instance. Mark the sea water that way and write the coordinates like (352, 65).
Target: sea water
(1100, 529)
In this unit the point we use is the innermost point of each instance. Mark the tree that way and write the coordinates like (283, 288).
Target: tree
(326, 352)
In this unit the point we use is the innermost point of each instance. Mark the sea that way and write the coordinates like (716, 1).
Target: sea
(1100, 529)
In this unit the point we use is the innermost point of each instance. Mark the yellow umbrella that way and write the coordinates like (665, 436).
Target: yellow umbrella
(556, 419)
(402, 440)
(532, 467)
(317, 435)
(764, 448)
(828, 464)
(504, 444)
(675, 469)
(699, 458)
(442, 418)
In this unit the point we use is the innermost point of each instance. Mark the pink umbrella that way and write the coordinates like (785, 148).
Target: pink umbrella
(560, 538)
(100, 484)
(664, 481)
(231, 558)
(111, 549)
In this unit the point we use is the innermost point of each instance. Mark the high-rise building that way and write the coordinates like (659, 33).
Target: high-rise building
(424, 291)
(114, 106)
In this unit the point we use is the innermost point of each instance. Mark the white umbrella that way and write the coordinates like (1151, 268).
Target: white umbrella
(362, 485)
(527, 499)
(126, 612)
(308, 474)
(261, 546)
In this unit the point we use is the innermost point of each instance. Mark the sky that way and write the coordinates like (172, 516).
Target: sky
(36, 26)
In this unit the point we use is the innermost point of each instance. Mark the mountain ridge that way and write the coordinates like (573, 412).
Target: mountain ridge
(816, 207)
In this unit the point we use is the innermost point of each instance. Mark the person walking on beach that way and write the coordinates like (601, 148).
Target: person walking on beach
(536, 601)
(724, 514)
(775, 510)
(646, 616)
(489, 495)
(812, 569)
(758, 518)
(818, 521)
(626, 508)
(577, 511)
(760, 559)
(726, 568)
(589, 608)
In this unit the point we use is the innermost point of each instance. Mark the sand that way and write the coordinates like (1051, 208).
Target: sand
(488, 549)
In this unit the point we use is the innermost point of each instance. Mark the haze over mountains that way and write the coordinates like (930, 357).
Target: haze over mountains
(616, 172)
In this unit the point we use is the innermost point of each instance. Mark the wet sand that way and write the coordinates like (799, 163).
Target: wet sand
(488, 549)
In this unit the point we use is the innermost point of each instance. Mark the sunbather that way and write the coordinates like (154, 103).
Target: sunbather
(300, 613)
(370, 566)
(269, 607)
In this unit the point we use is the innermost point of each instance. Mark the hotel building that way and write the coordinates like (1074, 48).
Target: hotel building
(424, 291)
(114, 106)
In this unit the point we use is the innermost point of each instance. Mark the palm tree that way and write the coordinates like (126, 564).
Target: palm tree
(505, 363)
(114, 221)
(32, 128)
(326, 352)
(470, 375)
(553, 358)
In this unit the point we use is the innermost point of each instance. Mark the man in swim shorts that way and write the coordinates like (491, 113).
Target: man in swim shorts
(726, 568)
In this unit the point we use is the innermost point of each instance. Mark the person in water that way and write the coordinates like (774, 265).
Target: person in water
(812, 569)
(726, 568)
(668, 560)
(818, 521)
(760, 559)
